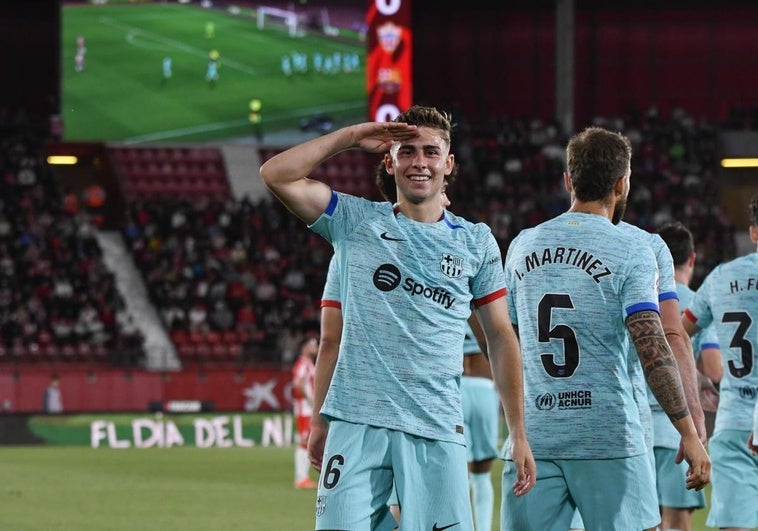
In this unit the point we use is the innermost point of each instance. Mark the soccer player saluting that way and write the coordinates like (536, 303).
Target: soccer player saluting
(728, 298)
(408, 275)
(578, 287)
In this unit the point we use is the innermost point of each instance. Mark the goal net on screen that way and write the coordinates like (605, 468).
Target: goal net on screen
(278, 17)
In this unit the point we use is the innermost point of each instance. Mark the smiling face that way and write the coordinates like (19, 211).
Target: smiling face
(420, 166)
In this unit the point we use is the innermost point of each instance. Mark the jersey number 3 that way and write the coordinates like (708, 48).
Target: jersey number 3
(739, 341)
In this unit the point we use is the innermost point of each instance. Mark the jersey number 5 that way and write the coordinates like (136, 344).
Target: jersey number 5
(563, 332)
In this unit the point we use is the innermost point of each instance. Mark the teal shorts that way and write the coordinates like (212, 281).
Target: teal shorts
(671, 480)
(359, 465)
(481, 413)
(734, 475)
(650, 512)
(610, 493)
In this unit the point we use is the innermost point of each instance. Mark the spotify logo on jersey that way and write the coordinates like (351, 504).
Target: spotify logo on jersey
(386, 277)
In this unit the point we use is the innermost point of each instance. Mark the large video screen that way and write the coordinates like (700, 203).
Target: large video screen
(150, 72)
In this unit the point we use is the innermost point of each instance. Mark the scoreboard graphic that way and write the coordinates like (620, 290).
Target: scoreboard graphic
(389, 79)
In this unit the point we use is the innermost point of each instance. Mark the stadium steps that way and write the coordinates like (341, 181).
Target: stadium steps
(160, 353)
(242, 165)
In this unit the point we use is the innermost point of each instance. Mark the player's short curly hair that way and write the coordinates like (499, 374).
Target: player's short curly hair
(596, 158)
(428, 117)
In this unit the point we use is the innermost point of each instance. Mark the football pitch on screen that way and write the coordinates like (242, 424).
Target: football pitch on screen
(75, 488)
(121, 93)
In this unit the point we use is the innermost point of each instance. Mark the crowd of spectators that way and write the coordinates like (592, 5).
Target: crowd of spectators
(249, 271)
(511, 177)
(58, 300)
(214, 266)
(250, 267)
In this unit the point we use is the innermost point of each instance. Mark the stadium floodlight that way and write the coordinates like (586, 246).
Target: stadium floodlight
(62, 159)
(740, 163)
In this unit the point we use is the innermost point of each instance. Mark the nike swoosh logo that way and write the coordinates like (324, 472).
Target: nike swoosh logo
(435, 527)
(387, 237)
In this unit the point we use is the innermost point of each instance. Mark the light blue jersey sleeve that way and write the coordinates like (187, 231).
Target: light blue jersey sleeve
(650, 410)
(705, 339)
(728, 300)
(331, 296)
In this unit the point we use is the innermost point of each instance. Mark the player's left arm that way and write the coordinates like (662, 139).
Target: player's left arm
(476, 328)
(662, 375)
(507, 370)
(681, 346)
(326, 361)
(711, 365)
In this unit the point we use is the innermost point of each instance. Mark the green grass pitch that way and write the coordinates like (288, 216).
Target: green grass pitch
(121, 93)
(74, 488)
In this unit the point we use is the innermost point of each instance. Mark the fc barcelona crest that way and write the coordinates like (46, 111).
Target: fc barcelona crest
(320, 505)
(451, 265)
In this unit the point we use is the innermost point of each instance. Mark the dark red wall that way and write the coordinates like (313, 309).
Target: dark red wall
(703, 59)
(499, 58)
(116, 390)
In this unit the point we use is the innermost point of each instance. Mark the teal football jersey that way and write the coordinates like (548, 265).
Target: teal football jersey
(572, 281)
(406, 290)
(728, 298)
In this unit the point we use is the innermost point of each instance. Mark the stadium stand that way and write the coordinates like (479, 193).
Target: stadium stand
(170, 172)
(236, 282)
(58, 301)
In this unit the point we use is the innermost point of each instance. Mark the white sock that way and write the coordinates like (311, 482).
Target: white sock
(301, 463)
(483, 500)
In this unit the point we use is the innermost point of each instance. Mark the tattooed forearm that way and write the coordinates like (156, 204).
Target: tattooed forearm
(658, 362)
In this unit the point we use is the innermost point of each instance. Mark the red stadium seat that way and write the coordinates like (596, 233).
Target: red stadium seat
(202, 351)
(235, 351)
(68, 353)
(219, 351)
(84, 351)
(187, 351)
(52, 352)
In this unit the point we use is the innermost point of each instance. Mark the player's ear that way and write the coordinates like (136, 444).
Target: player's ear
(449, 164)
(567, 183)
(620, 187)
(389, 164)
(754, 233)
